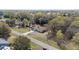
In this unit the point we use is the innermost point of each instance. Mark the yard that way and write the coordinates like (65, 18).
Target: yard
(21, 30)
(35, 47)
(43, 38)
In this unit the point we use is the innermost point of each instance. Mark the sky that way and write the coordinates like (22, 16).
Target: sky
(39, 4)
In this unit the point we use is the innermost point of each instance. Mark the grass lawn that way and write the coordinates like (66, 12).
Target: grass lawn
(43, 38)
(35, 47)
(21, 30)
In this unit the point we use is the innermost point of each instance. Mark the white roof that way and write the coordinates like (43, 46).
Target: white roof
(3, 41)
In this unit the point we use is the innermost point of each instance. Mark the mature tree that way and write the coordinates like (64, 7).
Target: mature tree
(57, 23)
(40, 18)
(72, 29)
(75, 24)
(4, 30)
(25, 23)
(11, 23)
(9, 14)
(59, 35)
(23, 15)
(60, 39)
(74, 43)
(19, 42)
(76, 38)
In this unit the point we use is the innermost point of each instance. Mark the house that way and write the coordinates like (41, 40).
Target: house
(39, 25)
(4, 45)
(39, 28)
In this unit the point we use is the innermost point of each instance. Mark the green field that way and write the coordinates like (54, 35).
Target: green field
(35, 47)
(21, 30)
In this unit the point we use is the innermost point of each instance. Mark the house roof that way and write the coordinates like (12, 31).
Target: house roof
(3, 41)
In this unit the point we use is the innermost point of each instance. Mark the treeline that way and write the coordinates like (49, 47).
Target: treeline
(65, 31)
(63, 27)
(15, 42)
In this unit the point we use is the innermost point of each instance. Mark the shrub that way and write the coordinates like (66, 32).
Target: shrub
(4, 30)
(59, 35)
(19, 43)
(76, 38)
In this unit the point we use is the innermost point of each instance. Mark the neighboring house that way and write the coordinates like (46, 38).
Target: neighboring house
(39, 28)
(42, 29)
(4, 45)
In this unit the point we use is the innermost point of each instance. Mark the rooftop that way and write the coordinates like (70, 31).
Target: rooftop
(3, 41)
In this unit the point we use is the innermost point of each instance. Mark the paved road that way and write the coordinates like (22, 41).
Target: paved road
(28, 32)
(42, 44)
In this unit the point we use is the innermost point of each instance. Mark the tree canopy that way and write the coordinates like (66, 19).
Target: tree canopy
(4, 30)
(19, 42)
